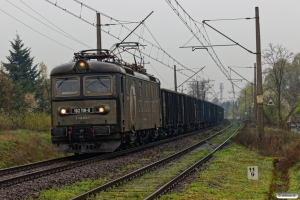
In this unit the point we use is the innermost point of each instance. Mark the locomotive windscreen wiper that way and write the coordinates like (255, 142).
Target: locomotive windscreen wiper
(61, 82)
(101, 82)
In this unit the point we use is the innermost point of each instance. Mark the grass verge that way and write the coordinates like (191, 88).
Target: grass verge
(277, 143)
(226, 177)
(22, 147)
(294, 173)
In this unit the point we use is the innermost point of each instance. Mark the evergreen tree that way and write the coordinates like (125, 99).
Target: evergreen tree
(20, 67)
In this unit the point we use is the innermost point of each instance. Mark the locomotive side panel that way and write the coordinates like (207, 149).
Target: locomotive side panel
(142, 104)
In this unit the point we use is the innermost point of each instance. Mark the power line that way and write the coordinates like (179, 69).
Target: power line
(161, 53)
(152, 36)
(192, 26)
(160, 76)
(66, 34)
(37, 31)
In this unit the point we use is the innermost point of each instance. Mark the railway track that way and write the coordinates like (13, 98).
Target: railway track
(31, 166)
(15, 175)
(171, 184)
(139, 172)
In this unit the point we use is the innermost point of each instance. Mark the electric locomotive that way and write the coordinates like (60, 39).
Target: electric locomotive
(102, 105)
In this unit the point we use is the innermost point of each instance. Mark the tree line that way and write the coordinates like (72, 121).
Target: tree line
(25, 85)
(281, 84)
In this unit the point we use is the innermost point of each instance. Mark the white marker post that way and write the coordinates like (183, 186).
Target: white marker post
(252, 172)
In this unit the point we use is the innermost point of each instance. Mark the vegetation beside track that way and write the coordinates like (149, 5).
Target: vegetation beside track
(67, 192)
(284, 146)
(294, 181)
(81, 187)
(35, 121)
(226, 177)
(21, 147)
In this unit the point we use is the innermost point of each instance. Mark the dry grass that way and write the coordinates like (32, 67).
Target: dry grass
(274, 143)
(22, 147)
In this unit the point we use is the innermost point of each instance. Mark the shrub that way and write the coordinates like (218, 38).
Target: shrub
(37, 121)
(275, 143)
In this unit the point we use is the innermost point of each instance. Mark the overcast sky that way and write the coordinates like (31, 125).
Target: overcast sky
(279, 24)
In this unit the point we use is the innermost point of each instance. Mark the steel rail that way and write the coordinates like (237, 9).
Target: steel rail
(38, 174)
(163, 189)
(143, 170)
(20, 168)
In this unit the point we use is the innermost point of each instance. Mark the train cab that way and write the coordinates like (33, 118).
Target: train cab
(85, 106)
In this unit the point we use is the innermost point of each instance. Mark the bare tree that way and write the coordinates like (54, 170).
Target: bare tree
(278, 59)
(291, 91)
(193, 88)
(199, 88)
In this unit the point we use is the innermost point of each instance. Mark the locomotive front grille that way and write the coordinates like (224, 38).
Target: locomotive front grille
(83, 132)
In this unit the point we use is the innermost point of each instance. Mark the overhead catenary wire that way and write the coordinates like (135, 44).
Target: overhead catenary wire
(64, 33)
(169, 84)
(124, 27)
(158, 58)
(210, 50)
(38, 31)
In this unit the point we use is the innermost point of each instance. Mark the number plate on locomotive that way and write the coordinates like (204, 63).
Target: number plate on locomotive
(82, 110)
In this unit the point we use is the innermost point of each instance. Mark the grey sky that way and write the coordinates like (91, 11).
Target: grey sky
(279, 23)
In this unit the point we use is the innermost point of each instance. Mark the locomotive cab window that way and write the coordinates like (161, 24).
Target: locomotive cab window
(95, 85)
(67, 86)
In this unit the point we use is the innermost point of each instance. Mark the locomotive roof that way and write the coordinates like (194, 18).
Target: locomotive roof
(101, 67)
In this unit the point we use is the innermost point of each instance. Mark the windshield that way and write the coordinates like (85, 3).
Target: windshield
(67, 86)
(97, 84)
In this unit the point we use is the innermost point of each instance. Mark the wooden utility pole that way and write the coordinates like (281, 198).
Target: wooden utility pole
(260, 98)
(99, 45)
(254, 96)
(232, 109)
(175, 78)
(245, 104)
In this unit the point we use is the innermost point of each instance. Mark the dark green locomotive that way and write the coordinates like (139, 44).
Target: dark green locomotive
(97, 105)
(104, 105)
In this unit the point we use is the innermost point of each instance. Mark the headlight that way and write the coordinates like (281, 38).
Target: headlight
(64, 111)
(103, 109)
(81, 66)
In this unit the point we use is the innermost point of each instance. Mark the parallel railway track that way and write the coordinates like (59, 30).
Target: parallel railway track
(171, 184)
(152, 166)
(4, 182)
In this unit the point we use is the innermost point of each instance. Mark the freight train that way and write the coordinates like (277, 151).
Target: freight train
(101, 104)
